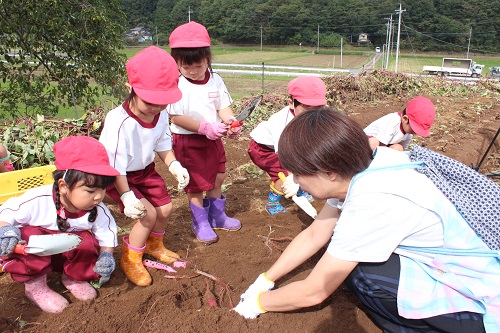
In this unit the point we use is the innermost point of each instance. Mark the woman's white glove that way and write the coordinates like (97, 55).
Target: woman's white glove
(180, 173)
(261, 284)
(133, 206)
(289, 187)
(250, 307)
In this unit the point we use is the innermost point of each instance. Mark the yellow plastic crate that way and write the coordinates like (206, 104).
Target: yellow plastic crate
(15, 183)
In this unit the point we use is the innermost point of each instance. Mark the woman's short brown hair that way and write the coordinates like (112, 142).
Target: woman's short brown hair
(324, 140)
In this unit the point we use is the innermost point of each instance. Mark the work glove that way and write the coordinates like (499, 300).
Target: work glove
(334, 202)
(213, 131)
(133, 206)
(261, 284)
(104, 266)
(289, 187)
(235, 131)
(180, 173)
(250, 307)
(9, 237)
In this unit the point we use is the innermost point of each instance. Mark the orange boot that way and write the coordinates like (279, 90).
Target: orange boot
(132, 266)
(156, 248)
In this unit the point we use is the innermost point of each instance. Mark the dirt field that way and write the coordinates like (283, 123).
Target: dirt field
(463, 130)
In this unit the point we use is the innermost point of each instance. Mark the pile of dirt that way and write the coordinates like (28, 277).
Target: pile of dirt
(463, 130)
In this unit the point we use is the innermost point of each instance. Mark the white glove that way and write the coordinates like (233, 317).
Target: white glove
(180, 173)
(261, 284)
(133, 206)
(334, 202)
(250, 306)
(289, 187)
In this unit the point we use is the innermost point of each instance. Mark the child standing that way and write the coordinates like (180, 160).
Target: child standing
(396, 129)
(199, 121)
(132, 134)
(5, 164)
(72, 204)
(305, 92)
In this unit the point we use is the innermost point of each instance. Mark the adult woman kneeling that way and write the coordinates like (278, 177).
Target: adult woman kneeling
(393, 237)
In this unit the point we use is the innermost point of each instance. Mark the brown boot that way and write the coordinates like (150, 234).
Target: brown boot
(132, 266)
(156, 248)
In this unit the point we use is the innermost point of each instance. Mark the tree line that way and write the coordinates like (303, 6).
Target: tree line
(425, 25)
(66, 53)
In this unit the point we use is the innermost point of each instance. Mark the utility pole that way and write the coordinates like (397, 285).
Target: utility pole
(468, 46)
(189, 14)
(318, 40)
(389, 43)
(386, 46)
(261, 37)
(156, 36)
(391, 38)
(400, 11)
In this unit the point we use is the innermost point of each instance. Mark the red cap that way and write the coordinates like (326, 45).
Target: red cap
(83, 153)
(189, 35)
(421, 113)
(308, 90)
(154, 75)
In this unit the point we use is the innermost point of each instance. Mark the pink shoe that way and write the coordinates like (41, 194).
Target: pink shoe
(82, 290)
(44, 297)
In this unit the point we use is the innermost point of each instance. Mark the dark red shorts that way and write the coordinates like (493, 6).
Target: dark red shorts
(145, 183)
(77, 263)
(203, 158)
(266, 159)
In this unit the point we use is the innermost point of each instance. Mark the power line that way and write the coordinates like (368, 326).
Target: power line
(445, 42)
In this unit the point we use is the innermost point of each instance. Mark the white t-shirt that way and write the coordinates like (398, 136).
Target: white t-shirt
(387, 130)
(131, 143)
(200, 102)
(373, 221)
(36, 207)
(268, 132)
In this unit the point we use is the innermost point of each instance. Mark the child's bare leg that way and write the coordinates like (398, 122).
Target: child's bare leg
(143, 227)
(397, 146)
(155, 243)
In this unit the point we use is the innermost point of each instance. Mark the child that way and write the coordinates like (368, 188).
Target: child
(132, 134)
(72, 204)
(395, 129)
(197, 130)
(5, 164)
(305, 93)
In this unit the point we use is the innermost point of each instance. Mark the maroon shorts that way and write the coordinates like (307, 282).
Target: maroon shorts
(203, 158)
(146, 184)
(266, 159)
(78, 263)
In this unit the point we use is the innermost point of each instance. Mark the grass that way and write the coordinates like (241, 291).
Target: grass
(352, 58)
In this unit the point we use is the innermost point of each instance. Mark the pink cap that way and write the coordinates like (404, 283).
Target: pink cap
(83, 153)
(154, 75)
(189, 35)
(421, 113)
(308, 90)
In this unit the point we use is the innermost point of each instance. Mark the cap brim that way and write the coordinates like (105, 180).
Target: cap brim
(420, 131)
(189, 44)
(163, 97)
(312, 101)
(101, 170)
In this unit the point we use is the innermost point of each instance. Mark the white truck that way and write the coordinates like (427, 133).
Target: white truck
(455, 67)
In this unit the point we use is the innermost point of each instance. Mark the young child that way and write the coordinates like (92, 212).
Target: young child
(5, 164)
(73, 204)
(199, 121)
(396, 129)
(132, 134)
(305, 93)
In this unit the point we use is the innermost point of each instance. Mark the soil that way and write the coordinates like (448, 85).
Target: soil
(463, 130)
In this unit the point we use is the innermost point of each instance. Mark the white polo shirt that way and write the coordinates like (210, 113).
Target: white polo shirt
(387, 130)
